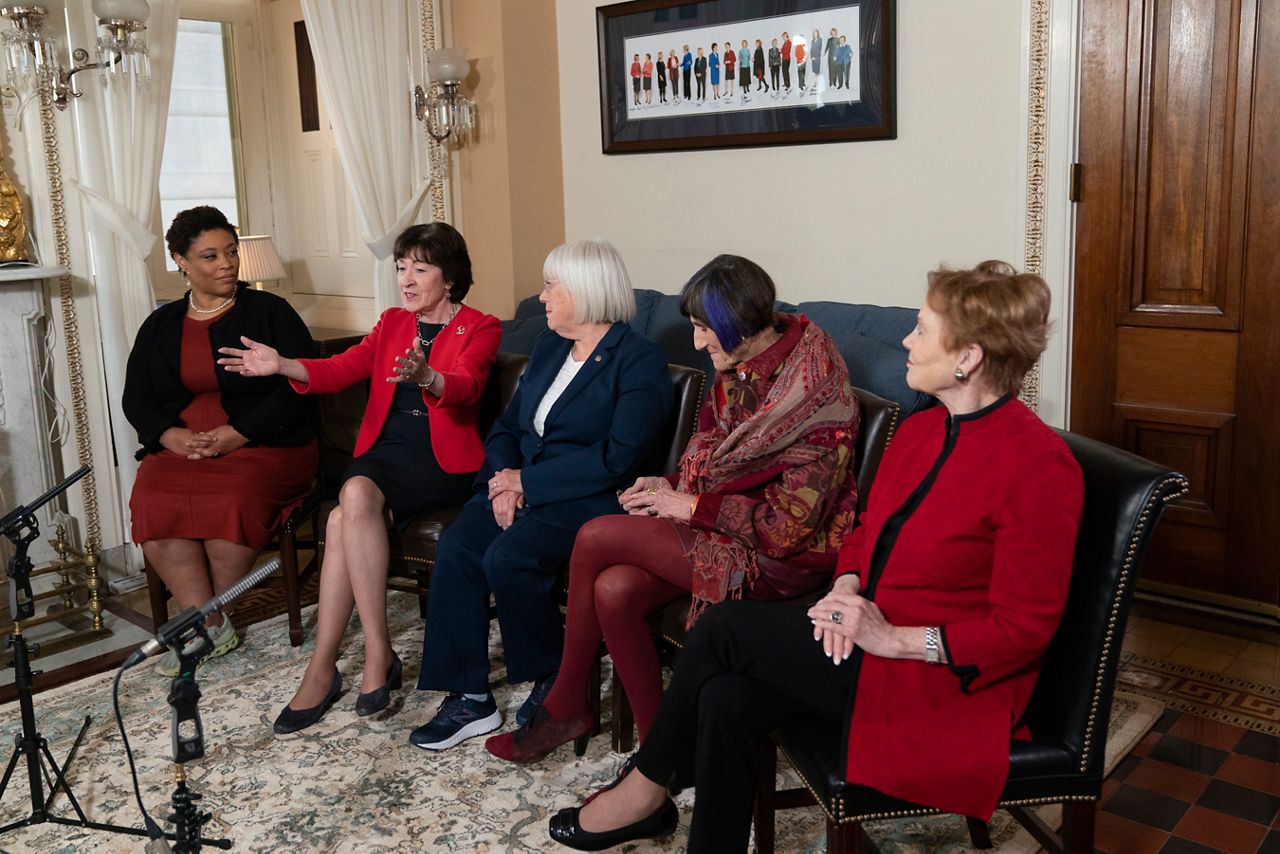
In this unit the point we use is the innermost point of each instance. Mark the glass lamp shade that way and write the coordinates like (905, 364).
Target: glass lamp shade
(259, 260)
(121, 10)
(447, 65)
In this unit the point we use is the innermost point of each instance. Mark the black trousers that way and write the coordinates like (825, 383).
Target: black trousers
(773, 75)
(702, 88)
(687, 73)
(746, 668)
(786, 74)
(833, 70)
(800, 73)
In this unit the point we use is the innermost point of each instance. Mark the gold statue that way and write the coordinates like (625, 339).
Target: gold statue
(13, 228)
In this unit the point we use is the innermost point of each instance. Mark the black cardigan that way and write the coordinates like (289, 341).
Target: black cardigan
(264, 410)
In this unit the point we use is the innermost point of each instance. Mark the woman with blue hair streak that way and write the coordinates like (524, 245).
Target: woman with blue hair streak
(763, 498)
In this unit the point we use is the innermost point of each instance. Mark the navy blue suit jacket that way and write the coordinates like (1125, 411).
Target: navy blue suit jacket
(597, 433)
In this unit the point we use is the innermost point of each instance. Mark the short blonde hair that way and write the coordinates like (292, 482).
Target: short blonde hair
(1004, 312)
(596, 279)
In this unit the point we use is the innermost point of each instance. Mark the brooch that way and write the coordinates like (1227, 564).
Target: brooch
(461, 329)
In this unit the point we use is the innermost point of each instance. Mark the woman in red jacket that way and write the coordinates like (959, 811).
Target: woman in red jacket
(946, 596)
(418, 449)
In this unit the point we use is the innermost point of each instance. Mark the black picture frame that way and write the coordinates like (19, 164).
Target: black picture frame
(864, 110)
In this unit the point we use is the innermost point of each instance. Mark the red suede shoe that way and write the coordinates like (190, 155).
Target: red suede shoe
(538, 738)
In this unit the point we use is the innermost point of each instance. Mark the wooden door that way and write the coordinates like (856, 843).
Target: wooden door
(1176, 334)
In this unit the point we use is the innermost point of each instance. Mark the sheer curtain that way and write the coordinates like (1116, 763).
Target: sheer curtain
(120, 128)
(362, 53)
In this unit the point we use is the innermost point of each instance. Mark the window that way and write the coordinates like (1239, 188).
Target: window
(199, 165)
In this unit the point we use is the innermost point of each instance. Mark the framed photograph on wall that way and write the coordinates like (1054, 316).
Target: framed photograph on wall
(724, 73)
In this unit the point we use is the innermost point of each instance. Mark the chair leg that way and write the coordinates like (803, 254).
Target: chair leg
(159, 595)
(1077, 826)
(979, 833)
(766, 800)
(848, 838)
(593, 697)
(292, 591)
(624, 722)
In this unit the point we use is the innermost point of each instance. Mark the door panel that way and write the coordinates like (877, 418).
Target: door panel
(1178, 278)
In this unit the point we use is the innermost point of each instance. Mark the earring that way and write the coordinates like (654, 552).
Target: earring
(960, 375)
(182, 271)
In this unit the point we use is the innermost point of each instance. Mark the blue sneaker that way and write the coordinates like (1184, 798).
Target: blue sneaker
(536, 697)
(456, 720)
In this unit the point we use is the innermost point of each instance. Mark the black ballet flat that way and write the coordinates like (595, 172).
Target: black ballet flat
(379, 698)
(292, 720)
(564, 828)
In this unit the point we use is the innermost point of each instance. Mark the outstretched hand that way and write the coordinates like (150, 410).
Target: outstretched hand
(256, 360)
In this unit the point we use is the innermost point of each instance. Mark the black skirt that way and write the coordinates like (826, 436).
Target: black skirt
(403, 466)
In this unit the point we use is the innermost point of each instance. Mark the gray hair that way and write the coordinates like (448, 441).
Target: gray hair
(596, 279)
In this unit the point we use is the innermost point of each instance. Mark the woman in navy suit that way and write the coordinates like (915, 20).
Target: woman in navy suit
(591, 403)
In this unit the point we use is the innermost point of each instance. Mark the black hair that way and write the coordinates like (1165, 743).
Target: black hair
(193, 222)
(733, 296)
(439, 243)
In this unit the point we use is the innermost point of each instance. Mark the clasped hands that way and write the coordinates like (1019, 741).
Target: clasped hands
(506, 494)
(654, 496)
(207, 445)
(843, 619)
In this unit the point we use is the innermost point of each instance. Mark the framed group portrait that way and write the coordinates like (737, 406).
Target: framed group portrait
(677, 75)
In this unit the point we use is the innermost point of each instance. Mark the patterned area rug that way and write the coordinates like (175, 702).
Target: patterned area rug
(1211, 695)
(348, 783)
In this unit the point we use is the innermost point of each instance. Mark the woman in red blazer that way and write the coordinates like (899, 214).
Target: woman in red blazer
(930, 641)
(418, 449)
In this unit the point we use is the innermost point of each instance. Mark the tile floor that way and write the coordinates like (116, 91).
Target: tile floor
(1195, 784)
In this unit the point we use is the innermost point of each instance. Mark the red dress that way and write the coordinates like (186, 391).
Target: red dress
(243, 497)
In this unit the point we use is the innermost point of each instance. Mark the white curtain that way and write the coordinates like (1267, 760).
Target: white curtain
(362, 53)
(120, 130)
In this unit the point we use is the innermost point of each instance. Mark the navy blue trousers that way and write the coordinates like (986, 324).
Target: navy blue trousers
(521, 567)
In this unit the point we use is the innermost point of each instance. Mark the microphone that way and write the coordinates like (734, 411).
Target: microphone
(177, 629)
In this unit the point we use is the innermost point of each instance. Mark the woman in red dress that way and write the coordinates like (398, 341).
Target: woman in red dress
(225, 458)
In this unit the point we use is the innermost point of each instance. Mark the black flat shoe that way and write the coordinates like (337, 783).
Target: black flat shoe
(564, 828)
(292, 720)
(379, 698)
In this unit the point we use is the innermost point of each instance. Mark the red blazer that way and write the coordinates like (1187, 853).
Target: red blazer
(987, 556)
(463, 352)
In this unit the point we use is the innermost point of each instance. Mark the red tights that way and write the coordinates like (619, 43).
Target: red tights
(622, 568)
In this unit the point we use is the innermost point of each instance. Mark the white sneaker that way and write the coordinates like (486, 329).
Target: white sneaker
(224, 639)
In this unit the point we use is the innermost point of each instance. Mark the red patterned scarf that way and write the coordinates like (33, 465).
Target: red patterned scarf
(811, 388)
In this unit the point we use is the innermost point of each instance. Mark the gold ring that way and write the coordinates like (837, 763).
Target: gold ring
(653, 490)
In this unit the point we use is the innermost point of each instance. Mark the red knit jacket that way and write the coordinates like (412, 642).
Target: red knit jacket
(463, 352)
(987, 556)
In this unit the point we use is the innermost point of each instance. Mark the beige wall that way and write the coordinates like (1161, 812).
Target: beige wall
(857, 222)
(511, 194)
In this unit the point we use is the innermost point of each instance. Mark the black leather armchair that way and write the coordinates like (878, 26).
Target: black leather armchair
(1071, 706)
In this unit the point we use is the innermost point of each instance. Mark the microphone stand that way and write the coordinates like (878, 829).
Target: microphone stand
(187, 734)
(20, 526)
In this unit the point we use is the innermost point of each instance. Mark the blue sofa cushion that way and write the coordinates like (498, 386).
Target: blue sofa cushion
(870, 340)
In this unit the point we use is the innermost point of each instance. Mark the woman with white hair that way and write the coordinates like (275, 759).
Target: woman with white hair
(591, 403)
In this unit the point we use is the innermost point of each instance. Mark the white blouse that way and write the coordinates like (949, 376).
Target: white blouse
(568, 371)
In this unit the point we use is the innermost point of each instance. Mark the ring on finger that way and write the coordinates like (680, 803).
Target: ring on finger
(836, 617)
(653, 490)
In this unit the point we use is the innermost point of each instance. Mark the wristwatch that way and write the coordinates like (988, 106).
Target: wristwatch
(932, 645)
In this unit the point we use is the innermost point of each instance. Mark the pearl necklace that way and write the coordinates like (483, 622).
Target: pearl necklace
(191, 303)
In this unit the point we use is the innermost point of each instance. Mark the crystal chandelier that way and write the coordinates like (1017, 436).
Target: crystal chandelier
(31, 64)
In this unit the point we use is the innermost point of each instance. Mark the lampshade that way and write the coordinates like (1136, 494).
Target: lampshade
(259, 260)
(121, 10)
(447, 64)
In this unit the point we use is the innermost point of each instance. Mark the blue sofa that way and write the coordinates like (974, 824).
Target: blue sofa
(869, 338)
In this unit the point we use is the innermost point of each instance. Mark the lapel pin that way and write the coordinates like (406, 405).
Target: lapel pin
(599, 358)
(461, 329)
